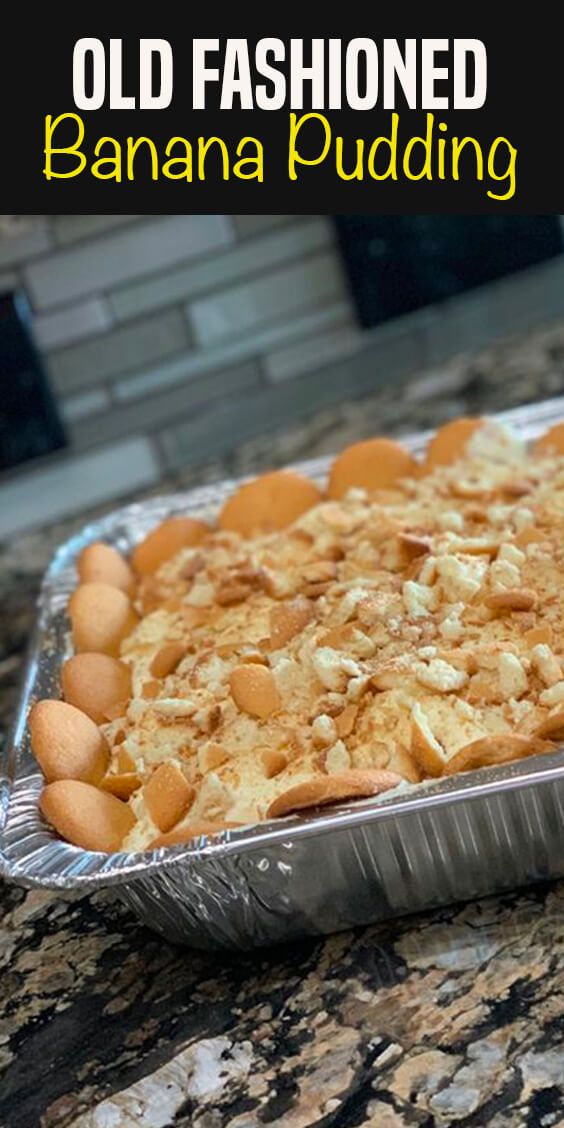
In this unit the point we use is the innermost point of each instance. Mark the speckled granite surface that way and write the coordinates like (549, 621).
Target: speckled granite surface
(453, 1017)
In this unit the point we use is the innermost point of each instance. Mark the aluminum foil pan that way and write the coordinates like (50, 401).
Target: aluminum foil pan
(305, 875)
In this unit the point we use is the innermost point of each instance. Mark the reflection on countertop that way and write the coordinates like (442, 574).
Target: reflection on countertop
(451, 1017)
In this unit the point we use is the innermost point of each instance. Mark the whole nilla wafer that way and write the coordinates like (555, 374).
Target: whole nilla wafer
(86, 816)
(66, 743)
(448, 443)
(497, 748)
(552, 442)
(167, 795)
(123, 784)
(268, 503)
(165, 541)
(552, 727)
(254, 691)
(288, 619)
(426, 750)
(273, 761)
(512, 599)
(96, 684)
(323, 790)
(101, 616)
(167, 658)
(103, 564)
(370, 465)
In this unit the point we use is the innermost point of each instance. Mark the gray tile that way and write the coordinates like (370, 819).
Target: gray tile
(266, 299)
(9, 280)
(71, 228)
(168, 406)
(127, 347)
(531, 297)
(34, 240)
(78, 407)
(517, 302)
(469, 321)
(127, 253)
(65, 326)
(254, 224)
(72, 484)
(191, 365)
(314, 352)
(220, 268)
(230, 422)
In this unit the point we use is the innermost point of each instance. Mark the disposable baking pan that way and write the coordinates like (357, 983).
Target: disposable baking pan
(431, 844)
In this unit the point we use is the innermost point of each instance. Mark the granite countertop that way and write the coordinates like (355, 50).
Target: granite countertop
(450, 1017)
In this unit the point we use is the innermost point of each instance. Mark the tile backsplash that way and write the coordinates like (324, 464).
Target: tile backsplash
(188, 334)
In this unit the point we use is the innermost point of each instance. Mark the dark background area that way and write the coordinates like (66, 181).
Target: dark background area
(397, 264)
(29, 421)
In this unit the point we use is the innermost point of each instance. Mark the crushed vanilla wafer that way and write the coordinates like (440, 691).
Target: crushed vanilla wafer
(390, 636)
(415, 606)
